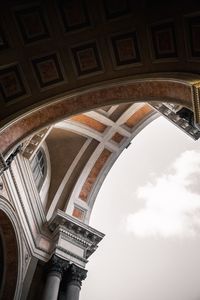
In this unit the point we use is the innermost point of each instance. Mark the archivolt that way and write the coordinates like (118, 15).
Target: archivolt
(13, 248)
(180, 88)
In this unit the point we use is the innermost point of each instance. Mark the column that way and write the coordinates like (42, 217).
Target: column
(56, 267)
(75, 275)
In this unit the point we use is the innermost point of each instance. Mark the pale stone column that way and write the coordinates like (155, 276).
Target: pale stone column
(55, 270)
(75, 275)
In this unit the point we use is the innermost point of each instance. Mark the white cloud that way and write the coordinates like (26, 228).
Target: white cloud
(172, 202)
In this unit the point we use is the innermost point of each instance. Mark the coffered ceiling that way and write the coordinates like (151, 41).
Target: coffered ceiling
(50, 48)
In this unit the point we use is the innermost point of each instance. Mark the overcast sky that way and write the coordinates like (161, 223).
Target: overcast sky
(149, 209)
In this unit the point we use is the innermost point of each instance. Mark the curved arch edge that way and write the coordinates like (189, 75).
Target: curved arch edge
(178, 88)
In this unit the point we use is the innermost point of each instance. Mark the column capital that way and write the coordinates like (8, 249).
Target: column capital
(57, 266)
(76, 275)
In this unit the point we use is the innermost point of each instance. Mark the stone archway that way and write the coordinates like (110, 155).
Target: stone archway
(10, 258)
(2, 254)
(180, 88)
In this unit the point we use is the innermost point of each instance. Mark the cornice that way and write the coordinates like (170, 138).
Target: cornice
(72, 236)
(71, 254)
(172, 114)
(74, 225)
(78, 233)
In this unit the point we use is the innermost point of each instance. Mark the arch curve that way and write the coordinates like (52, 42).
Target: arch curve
(161, 88)
(12, 252)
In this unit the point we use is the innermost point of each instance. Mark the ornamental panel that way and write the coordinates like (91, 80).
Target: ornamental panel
(32, 24)
(78, 213)
(48, 70)
(12, 84)
(74, 14)
(125, 49)
(87, 59)
(164, 40)
(192, 24)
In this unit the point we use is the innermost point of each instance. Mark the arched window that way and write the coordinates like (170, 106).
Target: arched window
(39, 168)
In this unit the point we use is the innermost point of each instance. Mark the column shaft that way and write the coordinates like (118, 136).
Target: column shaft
(75, 275)
(52, 287)
(72, 292)
(56, 267)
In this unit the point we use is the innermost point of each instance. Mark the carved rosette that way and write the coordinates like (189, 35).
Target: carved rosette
(76, 275)
(57, 266)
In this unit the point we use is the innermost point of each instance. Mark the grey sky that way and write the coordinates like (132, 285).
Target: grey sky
(153, 267)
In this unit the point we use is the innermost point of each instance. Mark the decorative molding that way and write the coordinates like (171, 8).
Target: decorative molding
(6, 163)
(75, 275)
(125, 48)
(57, 265)
(12, 85)
(26, 256)
(154, 87)
(32, 23)
(74, 15)
(33, 233)
(70, 255)
(67, 238)
(29, 185)
(192, 38)
(163, 39)
(61, 218)
(33, 144)
(87, 59)
(68, 234)
(75, 232)
(182, 119)
(48, 70)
